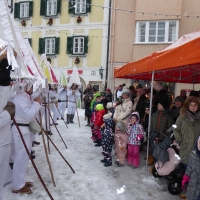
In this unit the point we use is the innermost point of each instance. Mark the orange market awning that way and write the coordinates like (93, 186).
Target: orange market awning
(180, 62)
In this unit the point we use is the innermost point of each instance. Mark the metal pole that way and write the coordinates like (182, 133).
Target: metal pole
(149, 123)
(108, 44)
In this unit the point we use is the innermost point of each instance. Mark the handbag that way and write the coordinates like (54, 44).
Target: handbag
(35, 128)
(160, 154)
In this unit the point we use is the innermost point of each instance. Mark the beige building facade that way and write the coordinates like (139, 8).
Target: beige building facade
(142, 27)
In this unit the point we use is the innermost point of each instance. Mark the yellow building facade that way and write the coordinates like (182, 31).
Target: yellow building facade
(70, 33)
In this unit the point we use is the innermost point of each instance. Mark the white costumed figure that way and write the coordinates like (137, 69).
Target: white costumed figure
(26, 111)
(62, 100)
(73, 94)
(7, 111)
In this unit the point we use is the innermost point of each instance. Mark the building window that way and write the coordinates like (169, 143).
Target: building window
(77, 45)
(24, 10)
(156, 31)
(77, 7)
(51, 7)
(80, 6)
(49, 46)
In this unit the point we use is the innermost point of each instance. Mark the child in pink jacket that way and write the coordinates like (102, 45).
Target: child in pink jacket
(135, 135)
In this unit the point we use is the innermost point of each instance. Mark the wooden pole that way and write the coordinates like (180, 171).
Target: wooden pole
(45, 149)
(77, 111)
(56, 128)
(32, 161)
(56, 148)
(45, 110)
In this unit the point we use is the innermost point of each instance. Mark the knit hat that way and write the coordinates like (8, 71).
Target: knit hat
(109, 105)
(141, 90)
(135, 114)
(108, 90)
(179, 98)
(107, 116)
(121, 126)
(125, 91)
(99, 107)
(163, 103)
(97, 95)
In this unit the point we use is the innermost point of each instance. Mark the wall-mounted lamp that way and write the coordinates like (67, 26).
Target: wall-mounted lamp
(101, 72)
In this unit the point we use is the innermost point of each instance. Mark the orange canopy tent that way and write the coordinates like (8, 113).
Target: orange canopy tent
(179, 62)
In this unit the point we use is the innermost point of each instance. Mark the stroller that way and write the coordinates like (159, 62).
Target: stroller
(173, 170)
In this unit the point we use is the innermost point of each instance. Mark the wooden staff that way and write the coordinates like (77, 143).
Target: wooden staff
(56, 147)
(45, 148)
(61, 115)
(56, 127)
(45, 110)
(33, 163)
(77, 111)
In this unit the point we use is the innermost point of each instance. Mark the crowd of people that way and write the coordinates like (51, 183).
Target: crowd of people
(123, 126)
(117, 121)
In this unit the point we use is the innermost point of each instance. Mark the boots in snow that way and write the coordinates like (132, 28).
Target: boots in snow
(68, 118)
(107, 164)
(71, 118)
(98, 144)
(103, 161)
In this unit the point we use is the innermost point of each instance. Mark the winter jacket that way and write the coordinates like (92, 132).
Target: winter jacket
(121, 141)
(124, 110)
(193, 171)
(107, 132)
(161, 121)
(186, 133)
(135, 131)
(99, 118)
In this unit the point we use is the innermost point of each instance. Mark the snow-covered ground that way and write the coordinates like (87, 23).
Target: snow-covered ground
(92, 181)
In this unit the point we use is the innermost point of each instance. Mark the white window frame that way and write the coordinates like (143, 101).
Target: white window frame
(80, 49)
(80, 6)
(51, 8)
(24, 9)
(166, 34)
(50, 44)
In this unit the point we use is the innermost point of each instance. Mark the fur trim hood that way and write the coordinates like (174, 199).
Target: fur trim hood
(185, 108)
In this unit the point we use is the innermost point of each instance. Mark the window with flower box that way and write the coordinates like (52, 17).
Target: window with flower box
(77, 7)
(23, 10)
(77, 45)
(50, 7)
(49, 46)
(156, 31)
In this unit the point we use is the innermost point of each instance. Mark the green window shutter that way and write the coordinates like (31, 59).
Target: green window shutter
(57, 45)
(58, 6)
(43, 7)
(17, 10)
(30, 9)
(30, 41)
(88, 6)
(71, 8)
(70, 45)
(85, 44)
(41, 48)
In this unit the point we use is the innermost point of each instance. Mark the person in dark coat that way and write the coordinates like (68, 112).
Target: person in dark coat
(87, 110)
(175, 110)
(107, 138)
